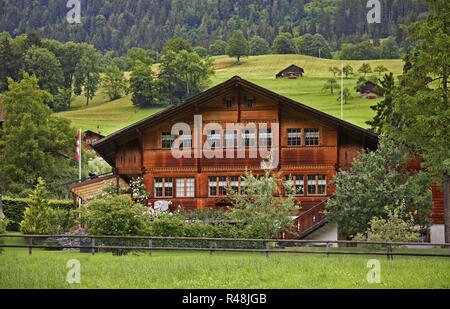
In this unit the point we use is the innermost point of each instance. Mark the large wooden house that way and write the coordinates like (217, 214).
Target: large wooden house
(312, 147)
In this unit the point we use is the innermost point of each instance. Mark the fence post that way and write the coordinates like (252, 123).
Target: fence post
(210, 247)
(150, 245)
(389, 250)
(328, 250)
(93, 246)
(267, 248)
(30, 243)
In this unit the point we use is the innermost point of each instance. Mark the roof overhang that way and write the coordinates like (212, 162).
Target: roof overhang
(108, 146)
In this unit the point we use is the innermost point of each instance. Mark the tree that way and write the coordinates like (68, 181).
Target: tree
(384, 109)
(87, 73)
(144, 56)
(283, 44)
(313, 45)
(380, 69)
(238, 46)
(334, 70)
(218, 48)
(421, 99)
(36, 216)
(6, 60)
(330, 84)
(114, 82)
(42, 63)
(261, 213)
(361, 51)
(346, 95)
(34, 143)
(378, 182)
(348, 70)
(259, 46)
(365, 69)
(142, 85)
(390, 49)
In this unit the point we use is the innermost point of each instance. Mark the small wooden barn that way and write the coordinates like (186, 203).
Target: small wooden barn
(291, 72)
(367, 91)
(90, 137)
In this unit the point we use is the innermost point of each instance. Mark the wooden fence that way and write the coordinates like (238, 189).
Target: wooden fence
(267, 245)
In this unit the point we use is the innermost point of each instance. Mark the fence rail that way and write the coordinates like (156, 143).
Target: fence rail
(213, 243)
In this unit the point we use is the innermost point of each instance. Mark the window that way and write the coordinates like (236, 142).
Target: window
(294, 137)
(167, 140)
(248, 138)
(234, 183)
(218, 185)
(317, 184)
(213, 138)
(250, 103)
(185, 140)
(311, 137)
(265, 138)
(185, 187)
(297, 182)
(163, 187)
(231, 140)
(229, 103)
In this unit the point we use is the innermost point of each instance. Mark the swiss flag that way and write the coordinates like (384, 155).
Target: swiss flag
(78, 146)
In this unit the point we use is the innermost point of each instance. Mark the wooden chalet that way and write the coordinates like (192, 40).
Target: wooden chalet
(313, 146)
(367, 90)
(291, 72)
(89, 138)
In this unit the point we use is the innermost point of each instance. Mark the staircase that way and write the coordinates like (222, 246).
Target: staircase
(310, 221)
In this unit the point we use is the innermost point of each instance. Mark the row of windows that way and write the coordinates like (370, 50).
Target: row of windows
(218, 185)
(248, 138)
(250, 103)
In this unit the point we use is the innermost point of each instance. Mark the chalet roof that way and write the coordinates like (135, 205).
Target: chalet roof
(94, 133)
(293, 66)
(108, 146)
(368, 86)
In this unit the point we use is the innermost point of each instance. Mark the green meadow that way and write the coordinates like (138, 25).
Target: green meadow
(194, 270)
(108, 117)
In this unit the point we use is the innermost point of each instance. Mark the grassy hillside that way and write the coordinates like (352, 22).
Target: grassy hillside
(108, 117)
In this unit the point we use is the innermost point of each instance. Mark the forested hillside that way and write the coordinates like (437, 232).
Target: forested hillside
(121, 25)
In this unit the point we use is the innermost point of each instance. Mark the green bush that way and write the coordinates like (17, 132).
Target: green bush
(3, 224)
(60, 221)
(14, 209)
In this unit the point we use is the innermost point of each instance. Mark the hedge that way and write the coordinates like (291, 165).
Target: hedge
(14, 209)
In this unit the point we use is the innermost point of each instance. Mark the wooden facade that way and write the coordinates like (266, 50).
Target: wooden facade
(313, 146)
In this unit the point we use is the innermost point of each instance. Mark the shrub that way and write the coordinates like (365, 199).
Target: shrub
(398, 227)
(60, 221)
(3, 224)
(14, 209)
(36, 216)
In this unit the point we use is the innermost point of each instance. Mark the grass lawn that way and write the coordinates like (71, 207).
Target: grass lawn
(194, 270)
(108, 117)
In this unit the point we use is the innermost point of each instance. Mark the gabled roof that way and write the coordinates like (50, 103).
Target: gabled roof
(291, 67)
(108, 146)
(93, 133)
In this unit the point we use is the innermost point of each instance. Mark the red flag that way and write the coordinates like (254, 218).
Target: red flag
(78, 147)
